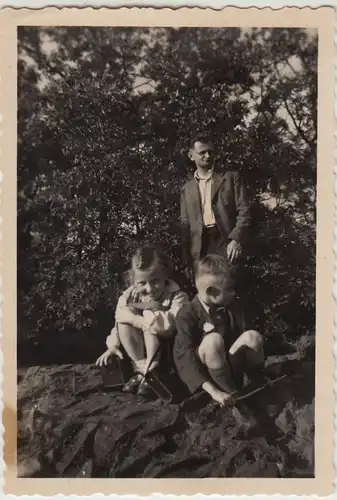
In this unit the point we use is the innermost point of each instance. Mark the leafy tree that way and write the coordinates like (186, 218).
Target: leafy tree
(104, 119)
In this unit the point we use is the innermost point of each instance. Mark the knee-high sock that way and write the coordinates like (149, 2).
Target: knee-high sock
(139, 366)
(223, 378)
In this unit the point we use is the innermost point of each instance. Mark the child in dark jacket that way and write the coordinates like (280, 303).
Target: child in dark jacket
(213, 347)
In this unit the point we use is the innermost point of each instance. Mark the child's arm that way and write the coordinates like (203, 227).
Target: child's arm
(112, 340)
(113, 344)
(124, 314)
(221, 397)
(187, 341)
(163, 322)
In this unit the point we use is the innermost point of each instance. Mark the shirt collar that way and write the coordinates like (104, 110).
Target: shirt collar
(171, 287)
(209, 175)
(207, 307)
(204, 305)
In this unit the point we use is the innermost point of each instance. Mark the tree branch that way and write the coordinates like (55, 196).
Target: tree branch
(148, 82)
(296, 125)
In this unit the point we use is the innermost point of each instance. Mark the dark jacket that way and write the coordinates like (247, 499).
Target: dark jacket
(190, 325)
(231, 210)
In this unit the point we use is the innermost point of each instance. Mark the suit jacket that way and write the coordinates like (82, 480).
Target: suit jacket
(191, 324)
(231, 210)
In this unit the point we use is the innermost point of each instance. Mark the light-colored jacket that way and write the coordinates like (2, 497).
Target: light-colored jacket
(162, 322)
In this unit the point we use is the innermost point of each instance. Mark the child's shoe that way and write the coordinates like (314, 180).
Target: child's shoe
(132, 385)
(144, 389)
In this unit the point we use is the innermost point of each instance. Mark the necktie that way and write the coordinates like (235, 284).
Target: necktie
(220, 318)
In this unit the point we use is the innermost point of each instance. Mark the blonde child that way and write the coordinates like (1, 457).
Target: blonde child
(145, 315)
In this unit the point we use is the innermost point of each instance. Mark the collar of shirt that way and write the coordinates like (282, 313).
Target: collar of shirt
(204, 305)
(207, 308)
(209, 175)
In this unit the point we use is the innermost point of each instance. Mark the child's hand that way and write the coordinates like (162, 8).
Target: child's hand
(135, 295)
(223, 398)
(104, 358)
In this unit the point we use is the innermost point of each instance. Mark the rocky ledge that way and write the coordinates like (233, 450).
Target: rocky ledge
(69, 426)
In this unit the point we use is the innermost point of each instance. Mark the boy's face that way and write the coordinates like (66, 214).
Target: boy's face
(215, 290)
(202, 155)
(151, 283)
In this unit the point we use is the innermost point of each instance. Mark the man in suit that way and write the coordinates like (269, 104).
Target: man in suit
(215, 212)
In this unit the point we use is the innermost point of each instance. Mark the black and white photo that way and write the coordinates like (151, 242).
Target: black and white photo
(169, 230)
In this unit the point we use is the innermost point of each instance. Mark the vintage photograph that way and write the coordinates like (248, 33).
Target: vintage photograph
(166, 251)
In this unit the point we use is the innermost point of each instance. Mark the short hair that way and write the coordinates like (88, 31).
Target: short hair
(213, 264)
(202, 137)
(145, 258)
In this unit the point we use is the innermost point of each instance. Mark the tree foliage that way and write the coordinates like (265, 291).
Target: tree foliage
(104, 118)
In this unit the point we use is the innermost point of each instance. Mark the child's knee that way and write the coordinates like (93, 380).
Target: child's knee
(253, 339)
(125, 330)
(211, 346)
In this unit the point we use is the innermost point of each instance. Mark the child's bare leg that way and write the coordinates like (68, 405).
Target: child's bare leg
(212, 354)
(151, 347)
(132, 340)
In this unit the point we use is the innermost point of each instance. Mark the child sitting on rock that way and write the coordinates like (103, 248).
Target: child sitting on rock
(213, 348)
(145, 315)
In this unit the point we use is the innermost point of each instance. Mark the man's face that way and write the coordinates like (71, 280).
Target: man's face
(202, 154)
(215, 290)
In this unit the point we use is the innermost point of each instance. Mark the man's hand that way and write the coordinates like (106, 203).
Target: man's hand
(104, 358)
(234, 251)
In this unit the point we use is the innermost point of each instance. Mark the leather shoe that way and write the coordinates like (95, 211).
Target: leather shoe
(144, 389)
(132, 385)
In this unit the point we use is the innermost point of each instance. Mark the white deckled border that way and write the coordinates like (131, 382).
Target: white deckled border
(2, 463)
(214, 4)
(335, 251)
(275, 4)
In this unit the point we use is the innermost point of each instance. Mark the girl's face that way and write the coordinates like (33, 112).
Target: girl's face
(150, 282)
(215, 290)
